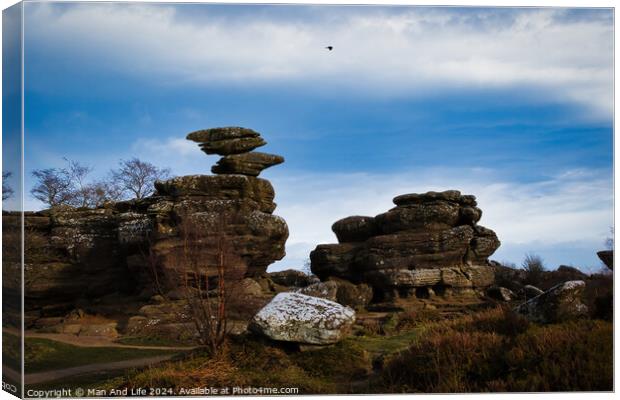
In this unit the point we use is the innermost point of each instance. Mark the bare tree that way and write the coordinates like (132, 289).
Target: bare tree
(81, 191)
(7, 191)
(53, 186)
(71, 186)
(102, 191)
(210, 275)
(138, 177)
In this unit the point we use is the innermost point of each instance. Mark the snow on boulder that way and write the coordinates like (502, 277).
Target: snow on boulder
(295, 317)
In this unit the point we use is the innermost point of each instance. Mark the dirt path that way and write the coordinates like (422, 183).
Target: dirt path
(85, 341)
(92, 341)
(47, 376)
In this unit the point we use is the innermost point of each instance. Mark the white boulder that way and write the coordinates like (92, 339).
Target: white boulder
(295, 317)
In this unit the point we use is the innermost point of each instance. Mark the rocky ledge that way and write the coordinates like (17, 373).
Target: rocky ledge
(428, 244)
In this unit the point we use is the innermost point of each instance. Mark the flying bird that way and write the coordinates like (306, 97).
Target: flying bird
(330, 48)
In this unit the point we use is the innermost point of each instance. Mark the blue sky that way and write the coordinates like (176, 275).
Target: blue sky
(512, 105)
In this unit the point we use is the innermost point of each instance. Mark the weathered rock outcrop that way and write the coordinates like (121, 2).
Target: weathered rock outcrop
(429, 241)
(126, 246)
(72, 254)
(295, 317)
(557, 304)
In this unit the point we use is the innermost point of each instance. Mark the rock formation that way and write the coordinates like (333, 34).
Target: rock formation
(607, 257)
(428, 244)
(295, 317)
(557, 304)
(235, 145)
(132, 245)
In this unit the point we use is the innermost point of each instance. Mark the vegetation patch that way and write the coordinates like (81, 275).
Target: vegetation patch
(497, 351)
(253, 361)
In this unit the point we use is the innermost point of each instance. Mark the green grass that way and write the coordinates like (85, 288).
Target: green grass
(376, 344)
(150, 341)
(45, 355)
(11, 351)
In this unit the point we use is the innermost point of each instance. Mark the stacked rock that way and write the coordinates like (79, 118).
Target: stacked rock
(428, 244)
(235, 144)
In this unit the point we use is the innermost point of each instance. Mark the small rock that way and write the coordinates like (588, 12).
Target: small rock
(71, 329)
(158, 299)
(294, 317)
(500, 293)
(290, 278)
(75, 315)
(324, 290)
(250, 288)
(352, 295)
(105, 330)
(531, 291)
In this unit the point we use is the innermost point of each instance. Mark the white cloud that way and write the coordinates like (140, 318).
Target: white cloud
(555, 217)
(387, 53)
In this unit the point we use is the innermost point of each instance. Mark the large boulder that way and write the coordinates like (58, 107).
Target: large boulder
(354, 229)
(295, 317)
(559, 303)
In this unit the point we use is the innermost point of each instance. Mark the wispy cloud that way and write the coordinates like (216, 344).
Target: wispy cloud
(383, 51)
(554, 217)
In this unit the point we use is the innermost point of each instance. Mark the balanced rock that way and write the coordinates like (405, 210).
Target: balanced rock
(226, 141)
(427, 240)
(559, 303)
(251, 163)
(295, 317)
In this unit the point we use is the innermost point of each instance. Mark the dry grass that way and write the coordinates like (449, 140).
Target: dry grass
(251, 361)
(498, 351)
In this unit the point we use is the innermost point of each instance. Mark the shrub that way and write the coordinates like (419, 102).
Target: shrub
(497, 351)
(534, 268)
